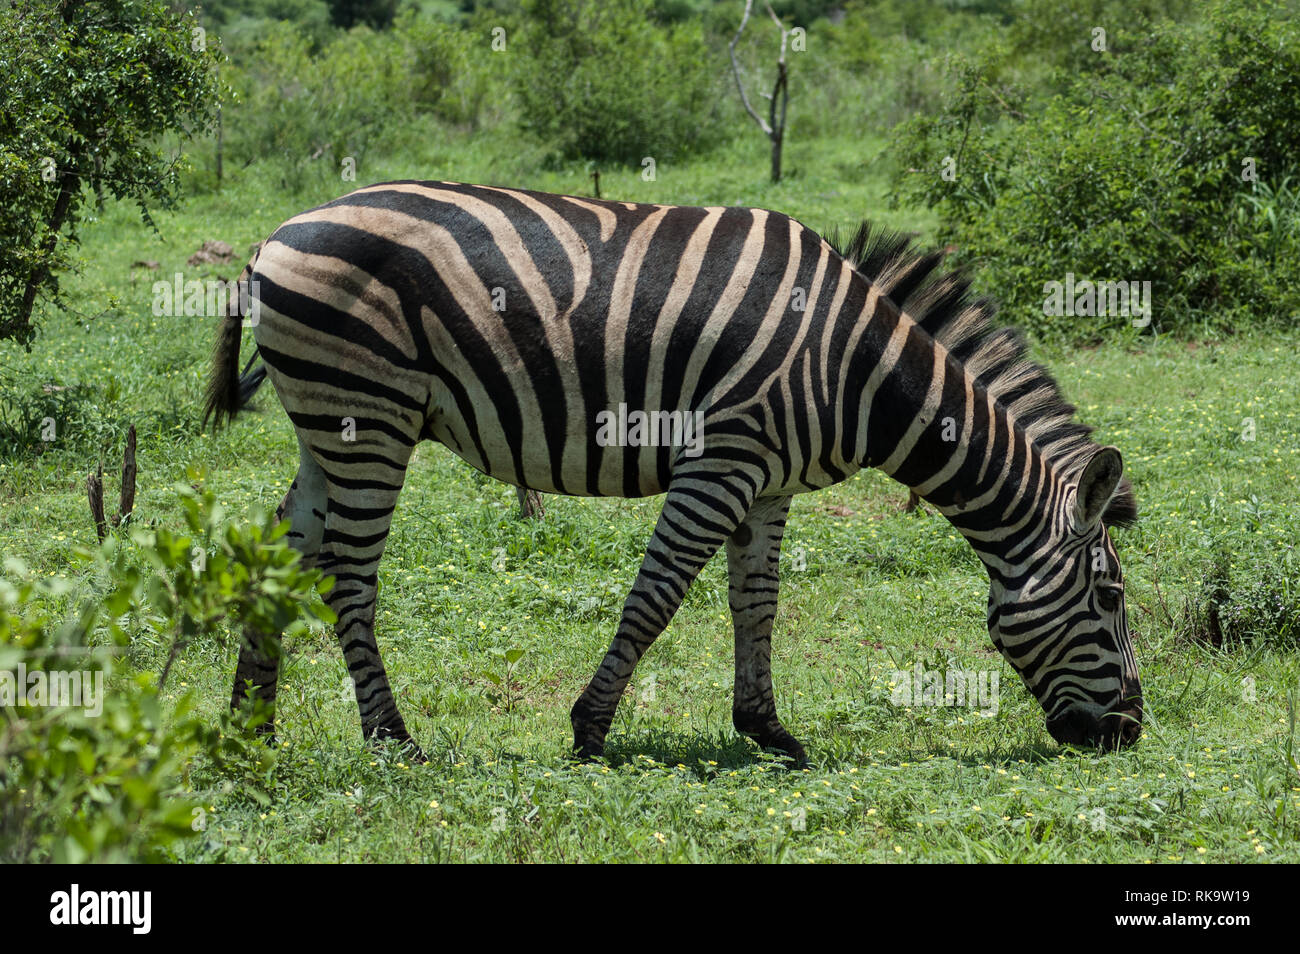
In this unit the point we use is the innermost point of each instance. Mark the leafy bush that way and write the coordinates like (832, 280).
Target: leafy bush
(1138, 171)
(1263, 607)
(308, 113)
(874, 68)
(453, 74)
(244, 574)
(599, 79)
(103, 778)
(75, 785)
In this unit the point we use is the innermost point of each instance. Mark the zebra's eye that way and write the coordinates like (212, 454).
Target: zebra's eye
(1109, 594)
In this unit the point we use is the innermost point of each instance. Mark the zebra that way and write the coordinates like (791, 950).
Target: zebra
(507, 323)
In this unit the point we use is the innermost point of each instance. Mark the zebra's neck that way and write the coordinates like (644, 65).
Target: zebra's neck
(931, 424)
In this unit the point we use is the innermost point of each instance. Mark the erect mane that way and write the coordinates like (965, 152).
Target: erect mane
(940, 301)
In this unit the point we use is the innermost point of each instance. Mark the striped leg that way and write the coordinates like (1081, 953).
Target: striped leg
(753, 554)
(356, 530)
(304, 506)
(698, 517)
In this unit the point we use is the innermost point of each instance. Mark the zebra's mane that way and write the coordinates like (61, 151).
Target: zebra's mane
(940, 301)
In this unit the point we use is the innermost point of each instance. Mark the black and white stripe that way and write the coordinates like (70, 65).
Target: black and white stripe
(502, 323)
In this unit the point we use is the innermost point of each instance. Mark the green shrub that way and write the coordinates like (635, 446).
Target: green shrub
(602, 81)
(1134, 173)
(1256, 604)
(76, 784)
(103, 778)
(307, 114)
(453, 72)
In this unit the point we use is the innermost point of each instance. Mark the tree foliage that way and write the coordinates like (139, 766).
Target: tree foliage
(89, 89)
(603, 81)
(1173, 162)
(103, 779)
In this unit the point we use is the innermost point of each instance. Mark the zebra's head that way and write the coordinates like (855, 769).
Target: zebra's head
(1058, 615)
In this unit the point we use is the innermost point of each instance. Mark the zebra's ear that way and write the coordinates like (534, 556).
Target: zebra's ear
(1098, 484)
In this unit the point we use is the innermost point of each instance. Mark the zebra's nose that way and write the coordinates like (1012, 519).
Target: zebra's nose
(1119, 726)
(1122, 725)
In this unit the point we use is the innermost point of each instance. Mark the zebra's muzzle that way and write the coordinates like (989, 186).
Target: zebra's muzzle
(1119, 726)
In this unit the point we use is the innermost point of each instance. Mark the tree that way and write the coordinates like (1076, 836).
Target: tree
(90, 87)
(601, 80)
(774, 126)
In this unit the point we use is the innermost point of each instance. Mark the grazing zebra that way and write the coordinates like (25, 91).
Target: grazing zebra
(525, 331)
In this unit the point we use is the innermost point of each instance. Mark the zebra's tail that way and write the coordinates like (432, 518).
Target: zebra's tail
(250, 379)
(223, 397)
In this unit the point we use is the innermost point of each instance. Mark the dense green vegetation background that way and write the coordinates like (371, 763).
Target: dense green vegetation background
(1117, 164)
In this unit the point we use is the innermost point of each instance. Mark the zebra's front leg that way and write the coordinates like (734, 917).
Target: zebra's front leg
(697, 518)
(258, 669)
(753, 557)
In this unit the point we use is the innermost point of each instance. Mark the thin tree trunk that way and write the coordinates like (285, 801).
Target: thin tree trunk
(781, 95)
(220, 129)
(95, 494)
(126, 500)
(68, 190)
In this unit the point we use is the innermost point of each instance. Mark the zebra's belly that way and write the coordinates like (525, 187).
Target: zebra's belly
(598, 454)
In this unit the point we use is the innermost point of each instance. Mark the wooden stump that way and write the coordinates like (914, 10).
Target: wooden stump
(126, 498)
(530, 504)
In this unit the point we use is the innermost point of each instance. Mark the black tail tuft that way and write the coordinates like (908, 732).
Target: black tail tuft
(224, 398)
(223, 386)
(250, 381)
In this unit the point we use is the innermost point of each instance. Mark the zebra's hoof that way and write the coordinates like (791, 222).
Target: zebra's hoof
(796, 757)
(790, 751)
(777, 741)
(412, 753)
(401, 741)
(588, 732)
(587, 751)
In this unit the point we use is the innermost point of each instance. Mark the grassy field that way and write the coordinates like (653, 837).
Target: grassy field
(868, 590)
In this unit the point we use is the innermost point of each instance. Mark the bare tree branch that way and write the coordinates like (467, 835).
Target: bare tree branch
(780, 26)
(735, 69)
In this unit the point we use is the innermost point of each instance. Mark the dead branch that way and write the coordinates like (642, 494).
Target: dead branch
(126, 498)
(735, 69)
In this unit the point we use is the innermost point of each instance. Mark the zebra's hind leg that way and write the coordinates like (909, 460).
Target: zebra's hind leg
(753, 556)
(698, 516)
(356, 529)
(258, 669)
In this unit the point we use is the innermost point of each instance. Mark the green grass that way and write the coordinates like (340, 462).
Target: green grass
(880, 590)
